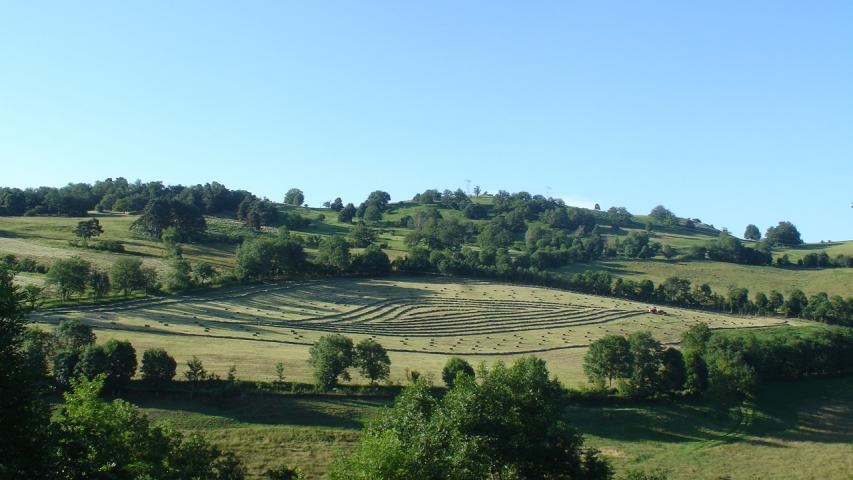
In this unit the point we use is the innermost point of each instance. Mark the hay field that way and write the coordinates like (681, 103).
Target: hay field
(420, 320)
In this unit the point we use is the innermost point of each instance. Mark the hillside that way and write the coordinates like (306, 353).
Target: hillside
(45, 238)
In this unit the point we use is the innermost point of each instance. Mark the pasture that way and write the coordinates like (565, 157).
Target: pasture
(421, 321)
(790, 431)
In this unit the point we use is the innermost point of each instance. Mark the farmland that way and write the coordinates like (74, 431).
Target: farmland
(420, 320)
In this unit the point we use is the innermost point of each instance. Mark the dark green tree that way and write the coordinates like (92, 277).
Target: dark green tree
(337, 205)
(87, 229)
(69, 276)
(126, 275)
(294, 197)
(330, 358)
(334, 253)
(454, 367)
(785, 233)
(24, 416)
(373, 261)
(607, 358)
(158, 367)
(99, 284)
(752, 233)
(361, 235)
(372, 360)
(645, 378)
(347, 213)
(673, 370)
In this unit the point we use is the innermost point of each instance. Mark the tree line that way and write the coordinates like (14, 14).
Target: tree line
(725, 367)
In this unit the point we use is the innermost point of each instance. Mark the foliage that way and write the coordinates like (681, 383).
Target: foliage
(160, 214)
(87, 229)
(98, 439)
(334, 253)
(510, 424)
(294, 197)
(69, 276)
(158, 367)
(266, 259)
(23, 415)
(330, 358)
(607, 358)
(372, 360)
(373, 261)
(455, 367)
(784, 233)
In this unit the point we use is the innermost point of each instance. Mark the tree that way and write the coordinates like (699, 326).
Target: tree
(87, 229)
(477, 190)
(334, 253)
(126, 275)
(266, 258)
(509, 424)
(361, 235)
(23, 414)
(752, 233)
(373, 261)
(330, 358)
(785, 233)
(663, 215)
(106, 440)
(673, 370)
(337, 205)
(92, 362)
(161, 213)
(158, 367)
(179, 276)
(645, 378)
(121, 364)
(195, 371)
(279, 372)
(294, 197)
(696, 372)
(607, 358)
(494, 235)
(668, 251)
(203, 271)
(372, 360)
(99, 284)
(696, 337)
(795, 303)
(455, 367)
(347, 213)
(34, 296)
(69, 276)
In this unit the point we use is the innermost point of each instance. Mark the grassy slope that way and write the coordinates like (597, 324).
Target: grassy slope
(787, 433)
(46, 238)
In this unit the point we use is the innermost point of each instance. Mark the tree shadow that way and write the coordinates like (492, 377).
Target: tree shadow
(263, 409)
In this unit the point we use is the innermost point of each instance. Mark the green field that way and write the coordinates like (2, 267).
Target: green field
(791, 431)
(420, 320)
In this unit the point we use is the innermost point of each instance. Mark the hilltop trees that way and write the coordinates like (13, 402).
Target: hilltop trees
(663, 215)
(785, 233)
(509, 424)
(294, 197)
(752, 233)
(347, 213)
(160, 214)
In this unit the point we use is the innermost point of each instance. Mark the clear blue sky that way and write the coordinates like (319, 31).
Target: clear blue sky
(733, 112)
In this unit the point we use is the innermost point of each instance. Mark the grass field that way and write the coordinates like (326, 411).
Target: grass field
(420, 320)
(720, 276)
(799, 430)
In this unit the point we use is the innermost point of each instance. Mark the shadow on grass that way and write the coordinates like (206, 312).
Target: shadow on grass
(257, 409)
(813, 410)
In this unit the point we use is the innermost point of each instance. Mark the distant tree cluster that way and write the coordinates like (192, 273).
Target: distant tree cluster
(725, 367)
(456, 200)
(117, 195)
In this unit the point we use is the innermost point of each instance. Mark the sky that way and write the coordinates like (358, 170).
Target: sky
(733, 112)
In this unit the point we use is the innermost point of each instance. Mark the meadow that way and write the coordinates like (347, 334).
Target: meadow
(789, 431)
(422, 321)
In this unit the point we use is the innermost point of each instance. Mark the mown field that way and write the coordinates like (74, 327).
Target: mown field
(795, 431)
(420, 320)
